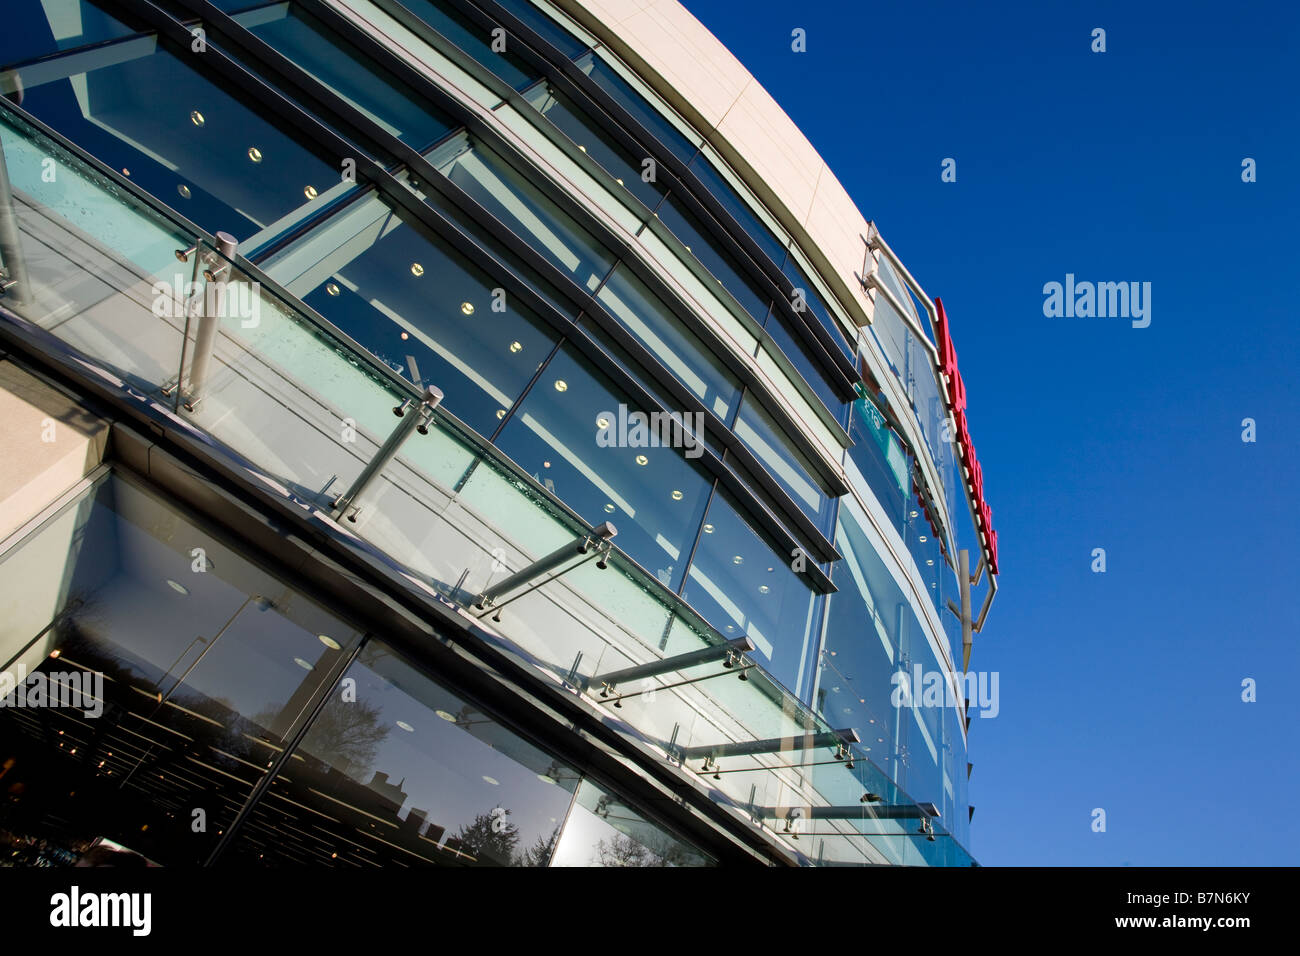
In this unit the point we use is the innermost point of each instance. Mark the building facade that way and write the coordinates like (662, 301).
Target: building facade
(463, 432)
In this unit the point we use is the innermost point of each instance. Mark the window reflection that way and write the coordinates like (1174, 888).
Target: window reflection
(36, 28)
(136, 107)
(420, 306)
(744, 588)
(756, 430)
(524, 209)
(625, 168)
(579, 436)
(208, 666)
(643, 314)
(387, 101)
(635, 104)
(688, 228)
(602, 830)
(816, 305)
(397, 770)
(474, 40)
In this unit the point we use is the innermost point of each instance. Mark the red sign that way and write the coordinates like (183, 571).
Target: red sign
(974, 473)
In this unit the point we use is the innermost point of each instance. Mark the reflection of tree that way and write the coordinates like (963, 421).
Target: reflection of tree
(345, 735)
(491, 838)
(625, 851)
(539, 854)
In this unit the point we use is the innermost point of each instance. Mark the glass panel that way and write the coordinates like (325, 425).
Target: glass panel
(474, 40)
(399, 771)
(561, 39)
(604, 831)
(792, 349)
(182, 670)
(137, 108)
(420, 306)
(881, 461)
(721, 265)
(816, 305)
(602, 456)
(680, 351)
(744, 588)
(36, 28)
(621, 91)
(524, 208)
(724, 193)
(303, 39)
(756, 430)
(623, 167)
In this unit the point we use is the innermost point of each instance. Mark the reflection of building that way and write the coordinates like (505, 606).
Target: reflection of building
(546, 237)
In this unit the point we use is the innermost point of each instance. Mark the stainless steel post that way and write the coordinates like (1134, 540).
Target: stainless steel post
(14, 284)
(205, 339)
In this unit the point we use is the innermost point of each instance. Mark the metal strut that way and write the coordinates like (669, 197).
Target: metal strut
(598, 538)
(349, 501)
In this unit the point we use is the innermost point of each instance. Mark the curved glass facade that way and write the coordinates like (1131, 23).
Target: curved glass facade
(464, 194)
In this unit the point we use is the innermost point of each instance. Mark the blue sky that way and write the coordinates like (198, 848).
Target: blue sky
(1119, 690)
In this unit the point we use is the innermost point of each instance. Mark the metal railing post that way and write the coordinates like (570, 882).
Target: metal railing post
(205, 339)
(388, 451)
(14, 281)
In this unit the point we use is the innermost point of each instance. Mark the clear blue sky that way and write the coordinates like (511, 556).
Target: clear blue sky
(1119, 690)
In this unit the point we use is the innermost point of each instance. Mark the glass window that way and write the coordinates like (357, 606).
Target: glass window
(816, 305)
(420, 306)
(881, 460)
(724, 193)
(756, 430)
(811, 373)
(724, 269)
(602, 830)
(399, 771)
(603, 457)
(632, 101)
(525, 209)
(743, 587)
(136, 107)
(644, 314)
(36, 28)
(622, 166)
(383, 98)
(184, 668)
(474, 40)
(560, 38)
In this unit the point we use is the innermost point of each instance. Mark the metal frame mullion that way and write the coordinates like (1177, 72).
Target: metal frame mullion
(721, 225)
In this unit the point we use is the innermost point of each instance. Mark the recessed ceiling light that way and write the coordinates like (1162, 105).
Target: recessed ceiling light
(492, 780)
(305, 665)
(467, 308)
(417, 270)
(332, 288)
(609, 508)
(642, 460)
(516, 346)
(310, 192)
(922, 539)
(914, 514)
(403, 725)
(561, 385)
(677, 495)
(197, 118)
(126, 172)
(254, 154)
(446, 716)
(405, 336)
(737, 560)
(763, 589)
(501, 413)
(930, 561)
(619, 181)
(178, 588)
(708, 529)
(602, 422)
(546, 464)
(329, 642)
(183, 190)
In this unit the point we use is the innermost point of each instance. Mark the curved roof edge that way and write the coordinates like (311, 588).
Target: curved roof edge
(690, 68)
